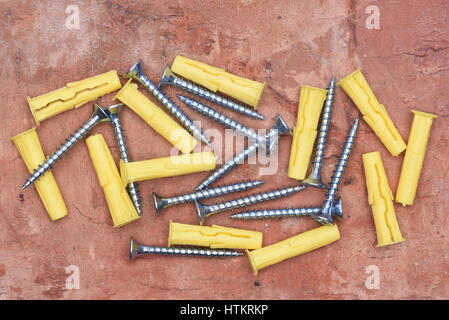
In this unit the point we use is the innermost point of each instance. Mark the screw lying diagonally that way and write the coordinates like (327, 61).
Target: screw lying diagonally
(114, 112)
(137, 74)
(168, 77)
(314, 179)
(228, 166)
(137, 250)
(99, 115)
(279, 128)
(265, 141)
(161, 203)
(337, 211)
(206, 210)
(325, 216)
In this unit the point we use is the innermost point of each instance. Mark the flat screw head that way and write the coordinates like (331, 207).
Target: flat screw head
(279, 128)
(158, 203)
(103, 114)
(314, 182)
(201, 211)
(327, 214)
(133, 249)
(114, 109)
(167, 76)
(337, 210)
(135, 71)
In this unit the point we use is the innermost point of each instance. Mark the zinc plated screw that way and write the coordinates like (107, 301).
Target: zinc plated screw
(265, 141)
(114, 112)
(325, 216)
(137, 74)
(136, 250)
(337, 211)
(314, 179)
(99, 115)
(161, 203)
(228, 166)
(206, 210)
(168, 77)
(279, 128)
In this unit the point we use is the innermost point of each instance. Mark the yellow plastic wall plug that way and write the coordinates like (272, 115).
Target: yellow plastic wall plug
(310, 105)
(31, 152)
(214, 237)
(373, 112)
(217, 79)
(414, 157)
(73, 95)
(380, 199)
(156, 118)
(166, 167)
(120, 205)
(292, 247)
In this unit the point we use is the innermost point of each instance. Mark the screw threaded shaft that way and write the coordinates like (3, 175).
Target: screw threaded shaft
(249, 200)
(324, 127)
(66, 146)
(342, 162)
(212, 96)
(221, 118)
(325, 216)
(172, 107)
(276, 213)
(121, 142)
(187, 251)
(228, 166)
(214, 192)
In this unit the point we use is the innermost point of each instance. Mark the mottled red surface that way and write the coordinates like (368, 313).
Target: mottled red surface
(282, 43)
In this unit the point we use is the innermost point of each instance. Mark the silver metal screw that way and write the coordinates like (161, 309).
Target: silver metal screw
(325, 216)
(206, 210)
(161, 203)
(337, 211)
(279, 128)
(137, 250)
(265, 140)
(99, 115)
(114, 112)
(228, 166)
(168, 77)
(314, 179)
(137, 74)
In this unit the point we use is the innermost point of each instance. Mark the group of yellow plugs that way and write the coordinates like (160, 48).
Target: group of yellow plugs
(114, 182)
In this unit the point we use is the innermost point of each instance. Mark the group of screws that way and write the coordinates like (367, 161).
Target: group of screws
(331, 208)
(325, 214)
(99, 115)
(168, 77)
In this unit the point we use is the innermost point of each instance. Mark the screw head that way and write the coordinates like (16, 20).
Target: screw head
(273, 140)
(133, 249)
(135, 71)
(201, 211)
(337, 210)
(167, 74)
(328, 213)
(314, 182)
(158, 204)
(115, 108)
(103, 114)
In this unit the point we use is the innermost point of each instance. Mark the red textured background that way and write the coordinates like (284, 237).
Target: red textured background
(282, 43)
